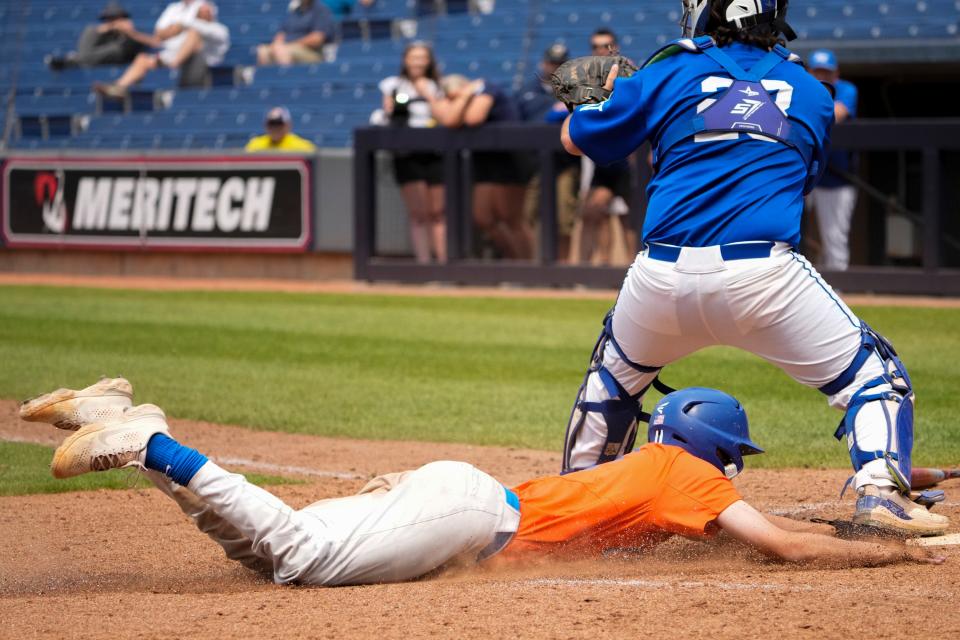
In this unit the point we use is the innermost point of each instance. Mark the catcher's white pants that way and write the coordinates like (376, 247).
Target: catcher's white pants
(778, 308)
(834, 206)
(413, 523)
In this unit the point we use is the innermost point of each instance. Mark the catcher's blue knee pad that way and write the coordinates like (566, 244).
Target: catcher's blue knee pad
(620, 412)
(894, 391)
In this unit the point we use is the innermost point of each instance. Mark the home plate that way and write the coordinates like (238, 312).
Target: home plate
(935, 541)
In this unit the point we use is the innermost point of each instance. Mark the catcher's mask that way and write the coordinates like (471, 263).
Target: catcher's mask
(707, 423)
(742, 15)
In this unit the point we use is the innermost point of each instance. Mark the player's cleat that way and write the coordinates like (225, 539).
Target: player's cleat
(101, 446)
(70, 409)
(888, 509)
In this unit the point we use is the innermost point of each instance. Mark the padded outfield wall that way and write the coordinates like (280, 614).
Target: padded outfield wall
(228, 214)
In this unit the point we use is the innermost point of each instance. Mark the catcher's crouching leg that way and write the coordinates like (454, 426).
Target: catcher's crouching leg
(878, 426)
(603, 422)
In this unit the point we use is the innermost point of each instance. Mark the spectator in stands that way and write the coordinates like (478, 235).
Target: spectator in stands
(834, 197)
(341, 8)
(104, 43)
(537, 103)
(279, 136)
(499, 178)
(601, 236)
(535, 98)
(408, 101)
(189, 38)
(301, 37)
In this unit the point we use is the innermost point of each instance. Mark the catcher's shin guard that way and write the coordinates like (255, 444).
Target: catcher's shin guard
(607, 406)
(884, 402)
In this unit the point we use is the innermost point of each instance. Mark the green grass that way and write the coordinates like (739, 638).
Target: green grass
(486, 371)
(25, 469)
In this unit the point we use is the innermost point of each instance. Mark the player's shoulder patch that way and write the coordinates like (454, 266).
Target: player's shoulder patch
(683, 45)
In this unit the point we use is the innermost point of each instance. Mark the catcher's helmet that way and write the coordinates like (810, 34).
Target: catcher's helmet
(707, 423)
(741, 15)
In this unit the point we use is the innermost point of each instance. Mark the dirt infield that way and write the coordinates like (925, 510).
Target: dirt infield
(128, 564)
(353, 286)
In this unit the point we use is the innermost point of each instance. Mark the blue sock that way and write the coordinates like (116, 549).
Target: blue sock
(168, 456)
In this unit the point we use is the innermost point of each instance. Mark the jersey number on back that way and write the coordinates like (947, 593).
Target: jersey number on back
(783, 96)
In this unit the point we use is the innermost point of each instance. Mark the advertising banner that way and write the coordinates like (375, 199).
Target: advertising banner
(193, 203)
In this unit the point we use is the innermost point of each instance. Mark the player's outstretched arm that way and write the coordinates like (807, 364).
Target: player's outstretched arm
(749, 526)
(800, 526)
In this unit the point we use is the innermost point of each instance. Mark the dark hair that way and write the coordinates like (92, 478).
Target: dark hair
(431, 71)
(761, 35)
(603, 31)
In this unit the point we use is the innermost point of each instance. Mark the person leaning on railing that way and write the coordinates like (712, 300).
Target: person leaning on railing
(500, 178)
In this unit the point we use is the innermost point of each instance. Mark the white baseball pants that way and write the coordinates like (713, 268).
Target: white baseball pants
(834, 206)
(778, 308)
(441, 512)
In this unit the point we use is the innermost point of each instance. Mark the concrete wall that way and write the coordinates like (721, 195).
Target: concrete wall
(334, 205)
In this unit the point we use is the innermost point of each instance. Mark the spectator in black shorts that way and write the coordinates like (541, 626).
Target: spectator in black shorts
(408, 100)
(499, 178)
(609, 192)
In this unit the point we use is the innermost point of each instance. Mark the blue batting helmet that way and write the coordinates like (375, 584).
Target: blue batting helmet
(741, 15)
(707, 423)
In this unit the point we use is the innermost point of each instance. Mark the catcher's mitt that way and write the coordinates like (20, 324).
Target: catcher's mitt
(580, 81)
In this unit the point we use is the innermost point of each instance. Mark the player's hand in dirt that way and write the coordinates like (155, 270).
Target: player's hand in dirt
(922, 556)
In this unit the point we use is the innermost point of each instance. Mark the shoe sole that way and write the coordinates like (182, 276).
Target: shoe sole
(57, 407)
(891, 522)
(61, 470)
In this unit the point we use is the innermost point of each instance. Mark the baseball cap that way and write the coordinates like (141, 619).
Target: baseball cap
(279, 115)
(113, 11)
(822, 59)
(557, 53)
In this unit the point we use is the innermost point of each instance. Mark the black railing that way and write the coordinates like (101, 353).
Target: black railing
(929, 137)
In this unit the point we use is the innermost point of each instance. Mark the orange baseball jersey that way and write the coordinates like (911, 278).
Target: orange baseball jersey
(637, 501)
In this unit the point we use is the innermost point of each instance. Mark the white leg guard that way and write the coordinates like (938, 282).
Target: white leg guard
(604, 420)
(877, 395)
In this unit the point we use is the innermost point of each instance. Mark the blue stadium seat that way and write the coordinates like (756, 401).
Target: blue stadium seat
(328, 100)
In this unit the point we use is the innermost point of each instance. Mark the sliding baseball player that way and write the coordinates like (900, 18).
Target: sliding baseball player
(402, 526)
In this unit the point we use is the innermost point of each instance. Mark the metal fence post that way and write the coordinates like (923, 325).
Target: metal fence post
(548, 207)
(364, 199)
(451, 203)
(931, 208)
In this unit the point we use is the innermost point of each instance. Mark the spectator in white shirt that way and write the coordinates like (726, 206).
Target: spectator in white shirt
(188, 37)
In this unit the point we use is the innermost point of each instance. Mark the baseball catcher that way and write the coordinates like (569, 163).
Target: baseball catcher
(738, 131)
(401, 526)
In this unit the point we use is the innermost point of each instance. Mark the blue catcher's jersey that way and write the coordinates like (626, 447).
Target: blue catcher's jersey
(714, 188)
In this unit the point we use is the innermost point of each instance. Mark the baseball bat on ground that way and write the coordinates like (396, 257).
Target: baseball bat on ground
(924, 477)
